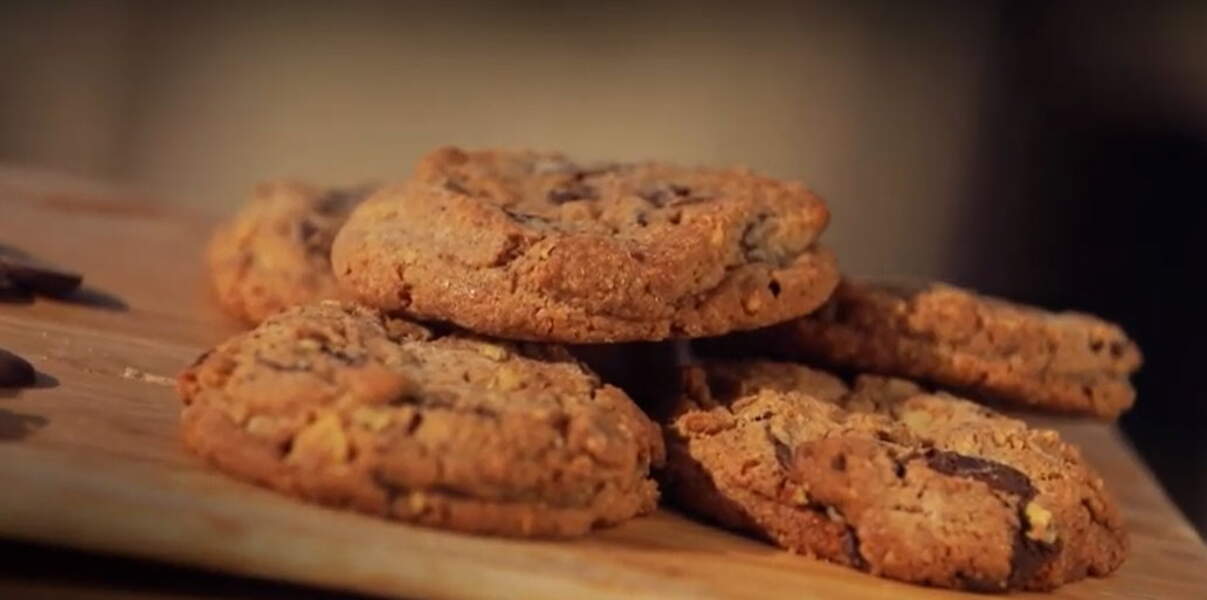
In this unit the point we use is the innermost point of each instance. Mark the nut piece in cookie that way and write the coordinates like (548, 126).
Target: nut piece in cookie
(337, 404)
(528, 245)
(276, 252)
(886, 478)
(985, 347)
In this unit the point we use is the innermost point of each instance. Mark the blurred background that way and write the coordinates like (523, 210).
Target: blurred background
(1052, 152)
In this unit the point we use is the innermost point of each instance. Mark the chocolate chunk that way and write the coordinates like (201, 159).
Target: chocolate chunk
(571, 192)
(839, 462)
(669, 195)
(527, 219)
(754, 238)
(995, 474)
(973, 583)
(653, 195)
(306, 231)
(783, 453)
(15, 371)
(37, 277)
(1028, 556)
(850, 545)
(1117, 349)
(898, 467)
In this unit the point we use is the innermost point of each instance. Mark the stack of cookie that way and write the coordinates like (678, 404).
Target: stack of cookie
(427, 372)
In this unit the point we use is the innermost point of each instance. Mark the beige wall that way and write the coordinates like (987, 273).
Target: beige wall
(876, 107)
(64, 84)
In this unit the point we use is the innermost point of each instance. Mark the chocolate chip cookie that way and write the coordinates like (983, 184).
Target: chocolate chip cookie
(276, 252)
(528, 245)
(886, 478)
(978, 345)
(339, 405)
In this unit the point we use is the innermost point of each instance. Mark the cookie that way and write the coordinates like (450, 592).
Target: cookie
(528, 245)
(276, 252)
(336, 404)
(886, 478)
(980, 346)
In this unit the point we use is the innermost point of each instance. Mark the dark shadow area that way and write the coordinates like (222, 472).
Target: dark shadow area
(96, 573)
(1090, 197)
(16, 426)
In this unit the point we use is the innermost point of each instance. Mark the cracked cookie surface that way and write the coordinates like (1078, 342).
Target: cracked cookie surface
(982, 346)
(886, 478)
(276, 251)
(339, 405)
(527, 245)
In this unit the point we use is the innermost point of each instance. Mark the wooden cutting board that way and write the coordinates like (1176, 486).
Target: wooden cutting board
(90, 459)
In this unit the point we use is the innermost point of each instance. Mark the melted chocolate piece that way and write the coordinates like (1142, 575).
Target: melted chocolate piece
(996, 475)
(1028, 556)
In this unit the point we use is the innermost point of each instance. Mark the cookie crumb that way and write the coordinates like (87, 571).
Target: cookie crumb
(140, 375)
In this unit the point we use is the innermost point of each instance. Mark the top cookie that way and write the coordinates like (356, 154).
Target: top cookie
(1066, 362)
(887, 478)
(276, 252)
(338, 404)
(527, 245)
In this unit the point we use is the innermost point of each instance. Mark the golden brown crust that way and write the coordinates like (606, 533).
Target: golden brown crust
(336, 404)
(1066, 362)
(276, 252)
(886, 478)
(525, 245)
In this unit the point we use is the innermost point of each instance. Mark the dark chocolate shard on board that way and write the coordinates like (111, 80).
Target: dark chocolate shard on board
(11, 292)
(15, 371)
(38, 277)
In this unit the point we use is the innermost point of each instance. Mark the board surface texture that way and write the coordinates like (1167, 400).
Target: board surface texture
(90, 458)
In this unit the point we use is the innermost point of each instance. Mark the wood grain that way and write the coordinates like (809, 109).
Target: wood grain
(90, 458)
